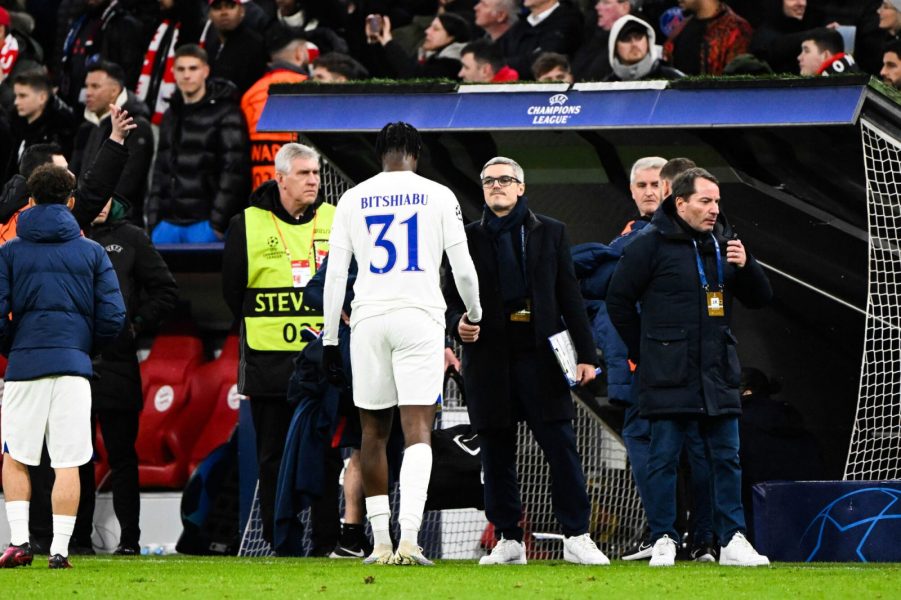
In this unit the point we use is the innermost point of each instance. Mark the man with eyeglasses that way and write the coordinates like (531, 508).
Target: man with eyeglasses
(511, 374)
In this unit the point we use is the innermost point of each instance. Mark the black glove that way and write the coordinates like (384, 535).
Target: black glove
(333, 365)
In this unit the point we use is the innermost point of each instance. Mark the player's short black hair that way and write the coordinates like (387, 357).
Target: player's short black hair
(398, 137)
(675, 167)
(341, 64)
(35, 156)
(684, 185)
(483, 51)
(193, 50)
(112, 70)
(50, 184)
(826, 40)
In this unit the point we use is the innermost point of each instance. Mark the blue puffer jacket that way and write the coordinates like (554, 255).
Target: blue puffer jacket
(63, 294)
(594, 265)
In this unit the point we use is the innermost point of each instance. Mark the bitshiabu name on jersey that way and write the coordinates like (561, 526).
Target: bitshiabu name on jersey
(394, 200)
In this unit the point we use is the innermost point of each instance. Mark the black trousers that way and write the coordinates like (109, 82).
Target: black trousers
(271, 420)
(503, 504)
(120, 430)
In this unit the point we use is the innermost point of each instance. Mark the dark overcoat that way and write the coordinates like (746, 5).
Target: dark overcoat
(556, 305)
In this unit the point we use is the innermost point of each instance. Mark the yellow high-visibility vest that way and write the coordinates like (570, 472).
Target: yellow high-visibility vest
(281, 259)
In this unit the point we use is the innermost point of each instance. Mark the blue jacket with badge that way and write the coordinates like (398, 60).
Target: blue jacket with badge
(59, 296)
(687, 360)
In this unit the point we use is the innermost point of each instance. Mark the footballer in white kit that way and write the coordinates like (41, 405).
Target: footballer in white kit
(398, 225)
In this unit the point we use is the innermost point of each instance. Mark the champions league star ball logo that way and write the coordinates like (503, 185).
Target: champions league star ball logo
(557, 112)
(863, 520)
(558, 99)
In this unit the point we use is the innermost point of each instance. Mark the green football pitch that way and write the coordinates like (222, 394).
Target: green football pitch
(245, 579)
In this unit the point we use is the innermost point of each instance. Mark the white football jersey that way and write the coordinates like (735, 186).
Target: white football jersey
(397, 224)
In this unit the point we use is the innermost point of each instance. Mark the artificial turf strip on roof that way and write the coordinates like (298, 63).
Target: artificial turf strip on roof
(201, 577)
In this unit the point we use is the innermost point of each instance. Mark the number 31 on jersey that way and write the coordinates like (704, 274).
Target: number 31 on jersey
(381, 227)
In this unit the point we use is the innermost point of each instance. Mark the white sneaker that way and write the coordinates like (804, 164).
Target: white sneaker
(505, 552)
(409, 553)
(740, 553)
(581, 549)
(664, 553)
(383, 554)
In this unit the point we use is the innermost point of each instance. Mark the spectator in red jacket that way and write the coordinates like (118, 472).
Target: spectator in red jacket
(482, 62)
(708, 39)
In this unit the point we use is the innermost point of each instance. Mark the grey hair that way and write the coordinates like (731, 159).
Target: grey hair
(287, 153)
(648, 162)
(503, 160)
(510, 8)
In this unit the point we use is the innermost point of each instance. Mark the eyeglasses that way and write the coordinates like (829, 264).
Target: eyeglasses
(503, 181)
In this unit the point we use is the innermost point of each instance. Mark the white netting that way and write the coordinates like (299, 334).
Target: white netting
(875, 451)
(252, 542)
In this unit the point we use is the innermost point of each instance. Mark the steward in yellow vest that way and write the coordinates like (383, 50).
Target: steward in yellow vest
(273, 249)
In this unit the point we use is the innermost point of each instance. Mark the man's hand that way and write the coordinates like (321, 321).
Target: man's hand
(585, 372)
(735, 253)
(122, 124)
(333, 365)
(468, 332)
(451, 360)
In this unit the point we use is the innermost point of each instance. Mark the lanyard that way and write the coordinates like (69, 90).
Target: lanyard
(719, 264)
(282, 238)
(525, 268)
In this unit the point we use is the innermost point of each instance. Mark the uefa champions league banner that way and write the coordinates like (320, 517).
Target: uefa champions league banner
(495, 108)
(832, 521)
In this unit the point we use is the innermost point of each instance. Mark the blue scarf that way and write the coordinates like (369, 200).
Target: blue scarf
(507, 234)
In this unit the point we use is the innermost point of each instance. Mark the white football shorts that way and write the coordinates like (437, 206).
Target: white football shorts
(397, 360)
(56, 409)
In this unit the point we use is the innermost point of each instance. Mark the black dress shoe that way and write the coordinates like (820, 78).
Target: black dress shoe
(127, 550)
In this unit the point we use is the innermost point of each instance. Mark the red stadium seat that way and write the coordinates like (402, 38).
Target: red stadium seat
(164, 438)
(214, 392)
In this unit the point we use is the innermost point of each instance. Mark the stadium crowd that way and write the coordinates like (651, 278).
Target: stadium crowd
(169, 92)
(194, 74)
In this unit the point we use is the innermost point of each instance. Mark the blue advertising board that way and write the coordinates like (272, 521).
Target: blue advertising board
(572, 109)
(836, 521)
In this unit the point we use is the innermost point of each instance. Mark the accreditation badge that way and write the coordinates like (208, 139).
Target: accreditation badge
(715, 305)
(301, 274)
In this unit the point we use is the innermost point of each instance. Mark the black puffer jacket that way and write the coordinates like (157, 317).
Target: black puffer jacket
(139, 268)
(202, 169)
(687, 360)
(133, 181)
